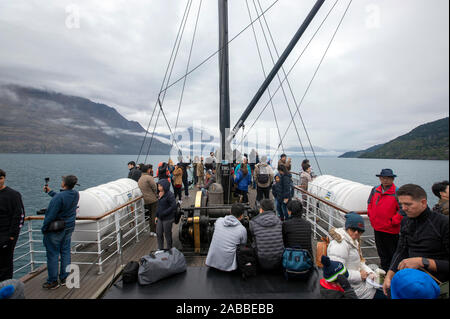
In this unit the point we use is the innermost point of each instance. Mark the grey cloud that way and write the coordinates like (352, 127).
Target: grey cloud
(375, 83)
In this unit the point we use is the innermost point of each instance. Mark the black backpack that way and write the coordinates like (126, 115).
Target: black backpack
(130, 272)
(246, 260)
(263, 177)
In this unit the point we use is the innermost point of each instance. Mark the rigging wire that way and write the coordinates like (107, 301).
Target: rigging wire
(264, 73)
(292, 67)
(159, 100)
(164, 80)
(278, 76)
(187, 67)
(220, 49)
(318, 67)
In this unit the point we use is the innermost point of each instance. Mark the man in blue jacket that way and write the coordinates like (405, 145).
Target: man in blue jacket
(63, 206)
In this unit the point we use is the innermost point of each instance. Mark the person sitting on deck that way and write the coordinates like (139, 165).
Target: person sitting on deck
(424, 237)
(228, 233)
(266, 230)
(296, 230)
(334, 284)
(346, 248)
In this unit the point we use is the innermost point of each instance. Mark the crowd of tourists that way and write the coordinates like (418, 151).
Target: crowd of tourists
(411, 239)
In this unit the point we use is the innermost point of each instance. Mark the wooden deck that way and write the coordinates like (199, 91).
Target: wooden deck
(92, 284)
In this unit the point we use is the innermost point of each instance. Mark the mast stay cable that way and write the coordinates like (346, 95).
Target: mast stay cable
(163, 82)
(318, 67)
(159, 100)
(292, 67)
(265, 75)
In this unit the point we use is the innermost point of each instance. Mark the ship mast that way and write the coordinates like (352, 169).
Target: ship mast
(224, 167)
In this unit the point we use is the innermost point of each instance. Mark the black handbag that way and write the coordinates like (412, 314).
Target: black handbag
(56, 226)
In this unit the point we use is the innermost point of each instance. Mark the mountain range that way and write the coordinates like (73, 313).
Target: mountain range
(43, 121)
(429, 141)
(38, 121)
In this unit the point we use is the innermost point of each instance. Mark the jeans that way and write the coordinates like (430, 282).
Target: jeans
(281, 208)
(57, 244)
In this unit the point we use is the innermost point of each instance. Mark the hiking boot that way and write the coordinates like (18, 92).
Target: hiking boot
(51, 285)
(62, 281)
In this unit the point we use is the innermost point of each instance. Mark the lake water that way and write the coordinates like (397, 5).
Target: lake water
(26, 173)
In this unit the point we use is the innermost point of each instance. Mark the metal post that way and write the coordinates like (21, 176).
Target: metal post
(99, 249)
(224, 113)
(136, 221)
(30, 241)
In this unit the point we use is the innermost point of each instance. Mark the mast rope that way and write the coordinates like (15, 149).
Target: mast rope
(317, 69)
(264, 73)
(290, 70)
(177, 45)
(164, 81)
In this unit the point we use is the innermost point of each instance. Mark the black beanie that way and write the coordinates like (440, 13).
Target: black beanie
(331, 269)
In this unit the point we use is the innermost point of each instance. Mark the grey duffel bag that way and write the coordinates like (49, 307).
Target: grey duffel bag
(160, 264)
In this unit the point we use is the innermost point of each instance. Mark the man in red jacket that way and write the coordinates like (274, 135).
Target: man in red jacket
(384, 214)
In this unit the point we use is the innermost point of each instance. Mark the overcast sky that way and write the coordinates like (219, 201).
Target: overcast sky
(385, 73)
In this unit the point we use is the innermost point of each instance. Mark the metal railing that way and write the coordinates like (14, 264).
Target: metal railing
(324, 215)
(107, 235)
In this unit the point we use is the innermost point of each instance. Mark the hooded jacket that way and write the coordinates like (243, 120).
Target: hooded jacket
(276, 189)
(347, 251)
(243, 181)
(178, 176)
(148, 188)
(228, 233)
(264, 168)
(266, 229)
(167, 203)
(383, 210)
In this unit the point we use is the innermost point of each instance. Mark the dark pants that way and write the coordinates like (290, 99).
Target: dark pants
(6, 260)
(386, 246)
(177, 192)
(244, 195)
(262, 193)
(186, 185)
(164, 229)
(151, 208)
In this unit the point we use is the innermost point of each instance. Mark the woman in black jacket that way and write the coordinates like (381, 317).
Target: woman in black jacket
(165, 214)
(296, 230)
(285, 189)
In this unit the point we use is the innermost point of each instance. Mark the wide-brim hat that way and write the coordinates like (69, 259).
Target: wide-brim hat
(386, 172)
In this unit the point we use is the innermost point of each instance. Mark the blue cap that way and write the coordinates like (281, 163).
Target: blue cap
(353, 220)
(6, 292)
(413, 284)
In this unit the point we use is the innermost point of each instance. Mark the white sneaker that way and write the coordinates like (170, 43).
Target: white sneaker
(152, 234)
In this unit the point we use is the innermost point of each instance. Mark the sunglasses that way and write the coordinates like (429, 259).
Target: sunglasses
(357, 230)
